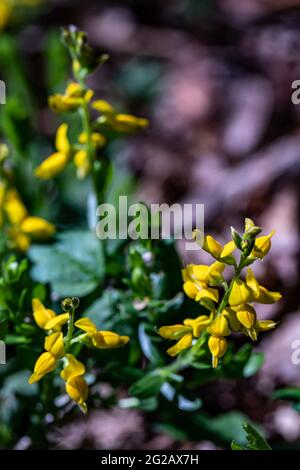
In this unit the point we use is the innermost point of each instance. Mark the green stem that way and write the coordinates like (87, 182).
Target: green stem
(70, 332)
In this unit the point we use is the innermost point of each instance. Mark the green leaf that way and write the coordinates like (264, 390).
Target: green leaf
(254, 440)
(290, 393)
(73, 266)
(253, 364)
(148, 386)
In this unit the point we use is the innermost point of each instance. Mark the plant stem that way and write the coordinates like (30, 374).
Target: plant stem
(69, 336)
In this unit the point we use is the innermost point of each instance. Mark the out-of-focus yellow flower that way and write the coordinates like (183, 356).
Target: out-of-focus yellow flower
(14, 207)
(46, 318)
(97, 139)
(54, 346)
(57, 162)
(76, 386)
(8, 7)
(82, 163)
(71, 100)
(36, 227)
(21, 227)
(100, 339)
(118, 121)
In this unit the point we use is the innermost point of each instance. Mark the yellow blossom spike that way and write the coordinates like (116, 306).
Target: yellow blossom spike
(108, 340)
(57, 322)
(173, 331)
(184, 343)
(52, 166)
(219, 327)
(198, 324)
(246, 315)
(41, 314)
(54, 344)
(45, 364)
(212, 246)
(262, 245)
(218, 347)
(77, 389)
(61, 140)
(252, 283)
(267, 297)
(74, 368)
(239, 293)
(37, 227)
(86, 324)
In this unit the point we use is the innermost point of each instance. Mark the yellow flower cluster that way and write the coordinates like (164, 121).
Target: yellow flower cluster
(235, 312)
(19, 225)
(82, 153)
(57, 346)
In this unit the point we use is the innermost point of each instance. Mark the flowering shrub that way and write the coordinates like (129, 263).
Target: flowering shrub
(131, 297)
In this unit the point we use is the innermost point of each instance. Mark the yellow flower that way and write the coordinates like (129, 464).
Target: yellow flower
(54, 346)
(267, 297)
(196, 279)
(100, 339)
(72, 369)
(57, 162)
(252, 283)
(14, 207)
(239, 294)
(37, 227)
(198, 324)
(73, 98)
(218, 347)
(45, 364)
(5, 12)
(184, 343)
(262, 246)
(19, 240)
(77, 389)
(119, 122)
(181, 333)
(215, 248)
(82, 162)
(219, 327)
(97, 139)
(46, 318)
(76, 386)
(246, 315)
